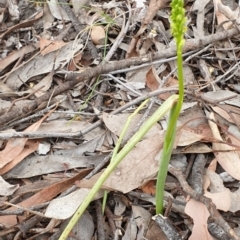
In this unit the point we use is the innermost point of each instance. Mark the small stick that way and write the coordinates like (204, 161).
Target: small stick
(22, 98)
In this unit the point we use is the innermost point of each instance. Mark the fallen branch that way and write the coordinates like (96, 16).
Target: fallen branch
(41, 102)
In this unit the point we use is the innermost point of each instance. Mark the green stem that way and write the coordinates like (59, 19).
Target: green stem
(158, 114)
(169, 137)
(117, 147)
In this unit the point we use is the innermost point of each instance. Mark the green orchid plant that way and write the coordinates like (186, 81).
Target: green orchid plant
(178, 28)
(172, 104)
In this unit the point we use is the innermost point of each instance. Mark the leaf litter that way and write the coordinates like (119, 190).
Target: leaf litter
(45, 176)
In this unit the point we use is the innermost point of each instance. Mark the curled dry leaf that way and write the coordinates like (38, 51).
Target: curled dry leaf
(151, 80)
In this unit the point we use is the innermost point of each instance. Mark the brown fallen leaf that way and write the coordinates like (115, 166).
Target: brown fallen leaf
(221, 199)
(47, 46)
(221, 112)
(72, 66)
(221, 18)
(233, 140)
(171, 82)
(220, 195)
(153, 8)
(43, 196)
(151, 80)
(195, 148)
(213, 165)
(131, 172)
(199, 213)
(7, 189)
(149, 187)
(30, 147)
(13, 56)
(16, 145)
(115, 124)
(228, 159)
(188, 136)
(228, 112)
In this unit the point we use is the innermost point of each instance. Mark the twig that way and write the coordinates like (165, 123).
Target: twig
(25, 209)
(196, 177)
(22, 98)
(189, 166)
(100, 224)
(220, 78)
(191, 44)
(123, 84)
(99, 98)
(157, 62)
(32, 135)
(36, 115)
(110, 217)
(167, 227)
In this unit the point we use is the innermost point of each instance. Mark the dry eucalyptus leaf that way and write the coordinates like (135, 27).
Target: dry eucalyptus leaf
(228, 158)
(13, 56)
(16, 146)
(115, 123)
(142, 157)
(42, 64)
(57, 10)
(221, 196)
(38, 165)
(65, 207)
(199, 213)
(218, 96)
(7, 189)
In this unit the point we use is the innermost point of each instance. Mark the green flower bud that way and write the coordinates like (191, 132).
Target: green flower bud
(178, 21)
